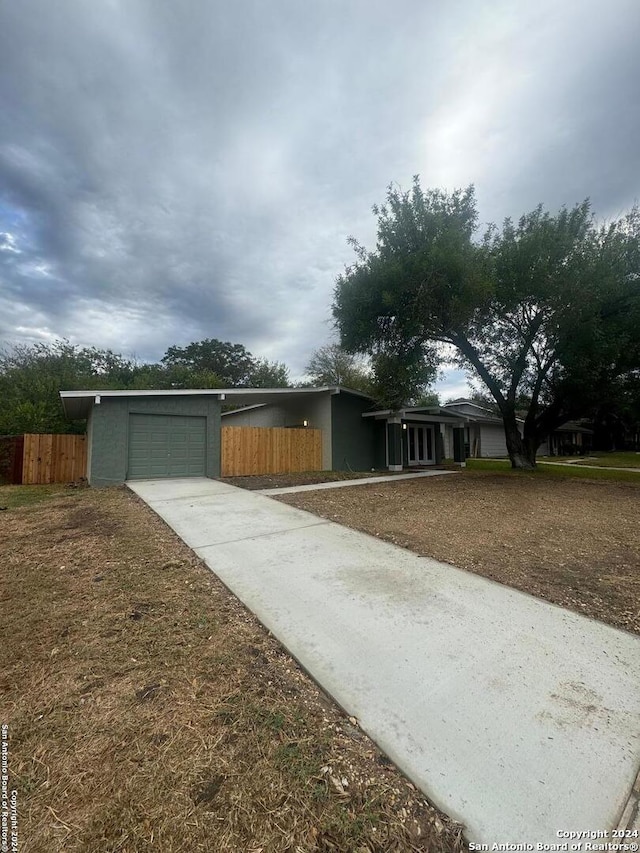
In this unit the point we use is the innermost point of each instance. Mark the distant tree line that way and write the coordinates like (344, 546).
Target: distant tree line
(31, 377)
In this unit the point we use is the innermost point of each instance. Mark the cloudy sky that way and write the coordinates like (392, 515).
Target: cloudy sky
(172, 171)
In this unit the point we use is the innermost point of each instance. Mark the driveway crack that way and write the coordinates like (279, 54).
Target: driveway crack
(263, 535)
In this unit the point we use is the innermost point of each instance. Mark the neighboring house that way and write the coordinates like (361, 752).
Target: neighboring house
(484, 433)
(569, 439)
(483, 429)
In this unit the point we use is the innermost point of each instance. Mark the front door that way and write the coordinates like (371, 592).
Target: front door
(420, 445)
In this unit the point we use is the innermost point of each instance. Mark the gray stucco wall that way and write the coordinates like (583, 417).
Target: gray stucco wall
(108, 432)
(353, 437)
(313, 408)
(316, 410)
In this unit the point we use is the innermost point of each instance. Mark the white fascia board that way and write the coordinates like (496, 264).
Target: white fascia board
(168, 392)
(403, 414)
(339, 389)
(228, 392)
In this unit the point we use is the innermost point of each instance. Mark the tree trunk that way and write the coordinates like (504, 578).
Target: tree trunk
(522, 451)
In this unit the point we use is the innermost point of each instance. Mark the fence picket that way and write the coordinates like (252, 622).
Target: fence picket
(269, 450)
(53, 458)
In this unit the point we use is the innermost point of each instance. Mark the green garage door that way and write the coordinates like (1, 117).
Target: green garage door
(166, 446)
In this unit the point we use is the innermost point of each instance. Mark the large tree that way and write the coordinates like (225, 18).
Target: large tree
(269, 374)
(169, 376)
(232, 364)
(388, 378)
(545, 311)
(332, 365)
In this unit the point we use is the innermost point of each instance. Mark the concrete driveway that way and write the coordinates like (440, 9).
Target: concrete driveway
(516, 717)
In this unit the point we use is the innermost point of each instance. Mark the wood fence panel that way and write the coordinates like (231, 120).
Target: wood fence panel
(30, 456)
(269, 450)
(53, 459)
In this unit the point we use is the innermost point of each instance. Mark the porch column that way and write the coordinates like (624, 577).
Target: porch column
(394, 444)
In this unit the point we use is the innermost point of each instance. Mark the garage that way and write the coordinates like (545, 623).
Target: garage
(148, 434)
(166, 446)
(176, 432)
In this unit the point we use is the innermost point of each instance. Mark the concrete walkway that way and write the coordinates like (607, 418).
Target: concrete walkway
(340, 484)
(592, 467)
(516, 717)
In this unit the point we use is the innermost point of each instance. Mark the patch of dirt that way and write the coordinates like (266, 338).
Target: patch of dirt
(147, 708)
(573, 542)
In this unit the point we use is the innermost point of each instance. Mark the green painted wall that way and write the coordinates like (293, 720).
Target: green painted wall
(380, 444)
(352, 436)
(109, 432)
(395, 443)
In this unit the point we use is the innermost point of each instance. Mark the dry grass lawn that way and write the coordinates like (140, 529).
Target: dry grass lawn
(573, 542)
(148, 710)
(622, 459)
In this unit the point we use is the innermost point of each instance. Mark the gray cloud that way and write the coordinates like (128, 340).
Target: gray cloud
(170, 172)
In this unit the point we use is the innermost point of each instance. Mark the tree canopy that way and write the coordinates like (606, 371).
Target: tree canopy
(231, 363)
(545, 311)
(332, 365)
(31, 377)
(385, 378)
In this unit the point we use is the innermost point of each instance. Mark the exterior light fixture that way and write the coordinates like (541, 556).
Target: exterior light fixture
(305, 423)
(404, 426)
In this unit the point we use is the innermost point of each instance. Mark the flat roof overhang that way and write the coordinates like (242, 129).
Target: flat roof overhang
(425, 415)
(78, 404)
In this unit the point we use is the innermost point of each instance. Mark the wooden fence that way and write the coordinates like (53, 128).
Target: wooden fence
(41, 459)
(270, 450)
(53, 459)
